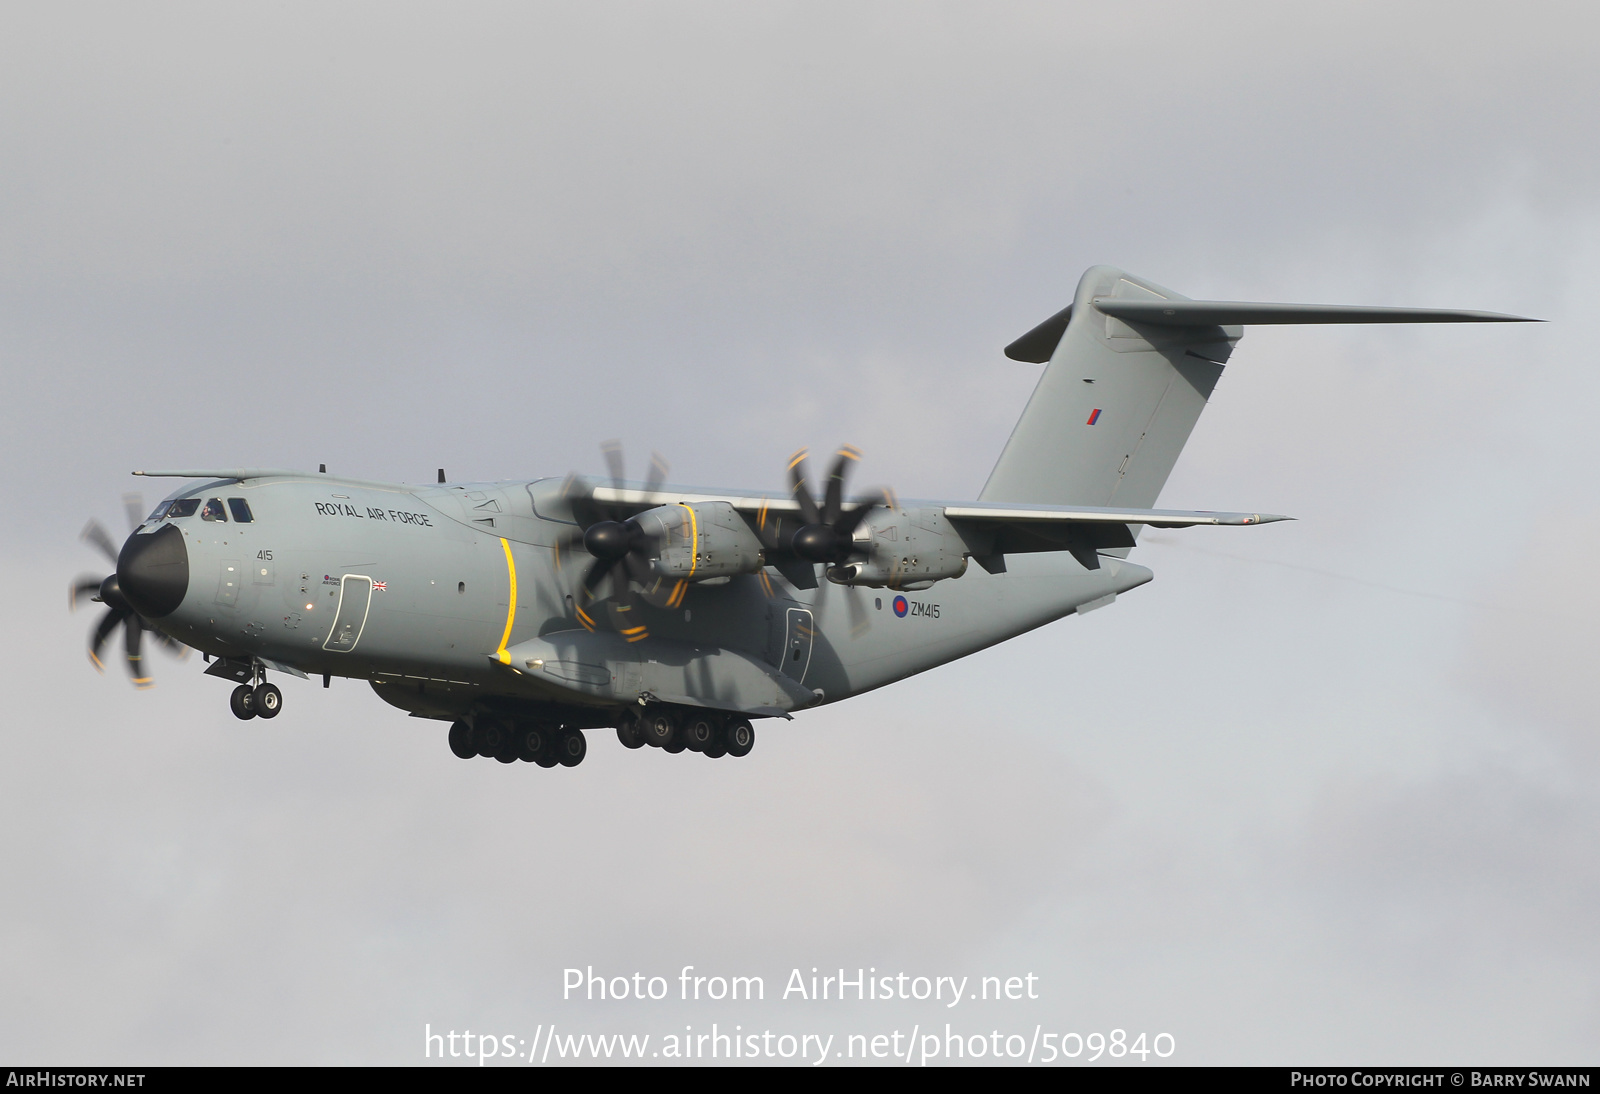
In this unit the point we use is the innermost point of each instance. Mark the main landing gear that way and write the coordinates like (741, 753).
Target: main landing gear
(671, 729)
(546, 746)
(675, 730)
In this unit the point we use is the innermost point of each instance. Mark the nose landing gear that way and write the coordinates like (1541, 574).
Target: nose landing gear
(255, 700)
(269, 700)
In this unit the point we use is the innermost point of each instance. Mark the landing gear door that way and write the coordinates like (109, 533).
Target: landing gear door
(355, 597)
(798, 634)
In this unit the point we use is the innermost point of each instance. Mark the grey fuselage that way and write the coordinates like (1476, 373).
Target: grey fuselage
(472, 606)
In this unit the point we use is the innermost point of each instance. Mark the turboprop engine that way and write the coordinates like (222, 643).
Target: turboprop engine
(905, 549)
(701, 541)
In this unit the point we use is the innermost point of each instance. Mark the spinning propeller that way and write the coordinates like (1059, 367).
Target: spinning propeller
(105, 590)
(624, 552)
(827, 532)
(621, 548)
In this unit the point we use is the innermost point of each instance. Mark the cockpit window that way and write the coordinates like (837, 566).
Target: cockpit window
(159, 511)
(213, 510)
(240, 510)
(184, 507)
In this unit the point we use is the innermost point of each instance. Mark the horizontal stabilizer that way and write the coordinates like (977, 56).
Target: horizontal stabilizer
(1227, 313)
(1040, 343)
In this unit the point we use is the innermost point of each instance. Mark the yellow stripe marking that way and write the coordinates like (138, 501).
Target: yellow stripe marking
(797, 458)
(511, 603)
(694, 540)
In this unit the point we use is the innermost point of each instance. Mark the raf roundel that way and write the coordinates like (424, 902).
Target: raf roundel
(900, 606)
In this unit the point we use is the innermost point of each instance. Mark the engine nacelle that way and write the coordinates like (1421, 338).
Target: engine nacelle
(905, 549)
(702, 541)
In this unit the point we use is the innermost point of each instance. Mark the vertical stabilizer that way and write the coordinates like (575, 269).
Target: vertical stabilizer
(1116, 403)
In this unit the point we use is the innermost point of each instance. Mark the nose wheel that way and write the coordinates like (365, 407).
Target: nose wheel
(261, 700)
(269, 700)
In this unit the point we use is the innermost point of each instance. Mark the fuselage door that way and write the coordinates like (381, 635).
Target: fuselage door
(355, 597)
(797, 637)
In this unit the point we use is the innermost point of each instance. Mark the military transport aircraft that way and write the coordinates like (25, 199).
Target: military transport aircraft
(525, 612)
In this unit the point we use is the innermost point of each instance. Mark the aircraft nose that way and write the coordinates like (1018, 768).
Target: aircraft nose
(153, 571)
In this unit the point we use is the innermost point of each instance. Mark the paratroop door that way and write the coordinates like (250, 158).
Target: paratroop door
(355, 597)
(797, 638)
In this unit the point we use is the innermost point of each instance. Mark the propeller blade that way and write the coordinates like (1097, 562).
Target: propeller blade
(769, 528)
(802, 493)
(132, 630)
(860, 622)
(168, 643)
(847, 524)
(85, 587)
(833, 497)
(97, 640)
(612, 450)
(565, 544)
(95, 534)
(797, 571)
(626, 623)
(638, 568)
(592, 579)
(133, 505)
(658, 475)
(574, 487)
(584, 617)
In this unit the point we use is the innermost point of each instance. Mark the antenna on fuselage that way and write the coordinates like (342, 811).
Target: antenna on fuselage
(441, 474)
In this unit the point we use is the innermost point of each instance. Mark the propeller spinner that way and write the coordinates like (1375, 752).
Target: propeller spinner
(108, 591)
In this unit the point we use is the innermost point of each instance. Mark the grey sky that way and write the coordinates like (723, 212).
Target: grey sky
(1281, 815)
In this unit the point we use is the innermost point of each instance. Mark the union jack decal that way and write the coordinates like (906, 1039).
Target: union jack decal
(381, 586)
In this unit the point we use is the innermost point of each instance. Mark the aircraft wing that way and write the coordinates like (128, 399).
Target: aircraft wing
(1001, 528)
(1057, 515)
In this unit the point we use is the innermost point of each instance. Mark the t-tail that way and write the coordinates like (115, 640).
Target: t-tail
(1130, 366)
